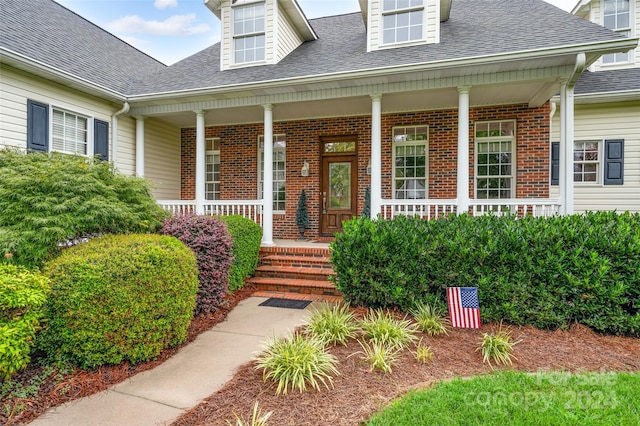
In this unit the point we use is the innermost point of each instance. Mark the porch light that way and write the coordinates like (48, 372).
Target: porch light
(369, 168)
(305, 169)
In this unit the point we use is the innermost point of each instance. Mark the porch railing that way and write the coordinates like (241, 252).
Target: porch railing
(425, 209)
(251, 209)
(536, 207)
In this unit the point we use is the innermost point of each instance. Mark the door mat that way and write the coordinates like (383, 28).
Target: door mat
(285, 303)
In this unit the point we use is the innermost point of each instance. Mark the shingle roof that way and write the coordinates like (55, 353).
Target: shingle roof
(608, 81)
(47, 32)
(475, 28)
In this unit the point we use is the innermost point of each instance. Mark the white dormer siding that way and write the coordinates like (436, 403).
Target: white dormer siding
(397, 23)
(594, 11)
(281, 33)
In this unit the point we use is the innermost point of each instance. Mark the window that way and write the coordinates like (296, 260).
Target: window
(402, 21)
(495, 159)
(69, 133)
(586, 166)
(594, 162)
(249, 33)
(212, 174)
(279, 170)
(410, 162)
(616, 16)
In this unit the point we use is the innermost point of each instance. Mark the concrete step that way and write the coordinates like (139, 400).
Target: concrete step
(297, 261)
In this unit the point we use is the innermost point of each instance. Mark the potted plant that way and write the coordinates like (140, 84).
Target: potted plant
(302, 214)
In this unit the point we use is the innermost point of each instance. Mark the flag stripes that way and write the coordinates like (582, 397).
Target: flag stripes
(464, 307)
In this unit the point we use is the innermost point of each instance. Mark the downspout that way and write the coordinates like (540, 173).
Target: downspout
(114, 133)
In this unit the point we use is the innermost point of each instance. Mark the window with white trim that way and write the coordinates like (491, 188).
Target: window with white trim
(616, 16)
(69, 132)
(212, 166)
(586, 162)
(410, 162)
(279, 170)
(402, 21)
(495, 143)
(249, 39)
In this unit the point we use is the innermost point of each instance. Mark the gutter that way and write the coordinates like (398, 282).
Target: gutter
(612, 46)
(114, 132)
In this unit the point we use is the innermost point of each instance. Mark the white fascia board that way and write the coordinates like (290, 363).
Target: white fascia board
(616, 46)
(48, 72)
(579, 5)
(214, 6)
(299, 19)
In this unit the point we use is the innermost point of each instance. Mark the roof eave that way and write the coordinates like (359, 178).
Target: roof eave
(48, 72)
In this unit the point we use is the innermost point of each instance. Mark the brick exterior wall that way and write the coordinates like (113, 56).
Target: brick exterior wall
(239, 156)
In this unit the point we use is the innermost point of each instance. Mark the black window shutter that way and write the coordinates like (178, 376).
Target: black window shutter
(555, 163)
(614, 162)
(37, 126)
(101, 139)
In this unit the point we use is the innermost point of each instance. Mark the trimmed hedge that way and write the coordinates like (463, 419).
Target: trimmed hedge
(246, 236)
(208, 238)
(546, 272)
(117, 298)
(49, 198)
(22, 294)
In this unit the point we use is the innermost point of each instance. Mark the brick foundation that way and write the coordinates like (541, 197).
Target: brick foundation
(239, 156)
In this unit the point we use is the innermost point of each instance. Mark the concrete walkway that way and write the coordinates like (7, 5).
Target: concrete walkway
(161, 395)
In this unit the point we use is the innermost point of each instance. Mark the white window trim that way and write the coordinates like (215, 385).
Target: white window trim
(90, 125)
(260, 154)
(234, 37)
(600, 163)
(212, 152)
(631, 29)
(514, 163)
(425, 143)
(383, 13)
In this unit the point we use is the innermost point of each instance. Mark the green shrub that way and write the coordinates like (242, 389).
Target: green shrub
(118, 297)
(246, 236)
(47, 199)
(22, 294)
(546, 272)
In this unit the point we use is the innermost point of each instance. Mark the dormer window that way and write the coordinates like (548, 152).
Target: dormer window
(616, 16)
(249, 38)
(402, 21)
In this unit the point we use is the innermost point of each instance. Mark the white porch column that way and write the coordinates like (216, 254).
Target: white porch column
(140, 146)
(200, 162)
(376, 155)
(463, 149)
(267, 180)
(566, 149)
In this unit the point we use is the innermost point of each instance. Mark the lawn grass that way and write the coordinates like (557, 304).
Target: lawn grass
(516, 398)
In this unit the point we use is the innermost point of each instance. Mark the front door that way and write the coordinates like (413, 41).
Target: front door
(339, 183)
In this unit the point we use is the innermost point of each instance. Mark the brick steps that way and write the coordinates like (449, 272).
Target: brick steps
(295, 273)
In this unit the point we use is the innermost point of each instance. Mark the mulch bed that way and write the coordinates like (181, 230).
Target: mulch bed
(358, 392)
(81, 383)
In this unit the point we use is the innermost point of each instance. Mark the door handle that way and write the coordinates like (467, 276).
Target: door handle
(324, 203)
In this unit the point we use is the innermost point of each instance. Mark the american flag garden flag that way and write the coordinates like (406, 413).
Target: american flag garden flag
(464, 307)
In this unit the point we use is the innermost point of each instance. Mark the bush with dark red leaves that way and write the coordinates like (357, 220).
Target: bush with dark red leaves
(209, 239)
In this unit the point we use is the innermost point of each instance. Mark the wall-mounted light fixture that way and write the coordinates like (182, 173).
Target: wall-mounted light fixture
(369, 167)
(305, 169)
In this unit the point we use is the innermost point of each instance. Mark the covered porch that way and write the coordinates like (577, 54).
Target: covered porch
(485, 129)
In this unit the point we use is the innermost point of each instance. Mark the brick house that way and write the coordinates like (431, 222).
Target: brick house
(436, 106)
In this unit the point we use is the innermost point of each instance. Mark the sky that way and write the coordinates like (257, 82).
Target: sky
(171, 30)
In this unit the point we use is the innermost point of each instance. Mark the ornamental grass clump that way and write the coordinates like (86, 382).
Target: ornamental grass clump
(297, 361)
(497, 347)
(423, 353)
(383, 328)
(257, 418)
(378, 355)
(430, 319)
(333, 325)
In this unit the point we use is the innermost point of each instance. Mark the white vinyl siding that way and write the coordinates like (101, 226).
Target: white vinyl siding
(162, 158)
(606, 122)
(287, 38)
